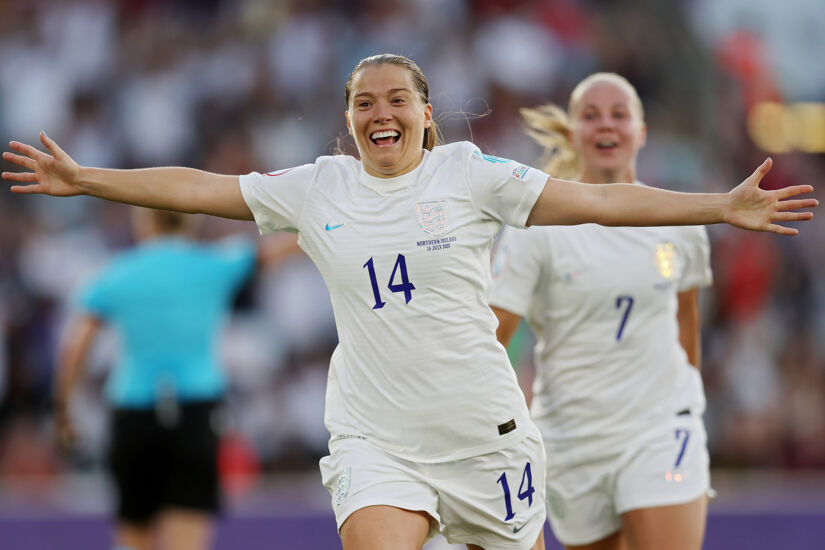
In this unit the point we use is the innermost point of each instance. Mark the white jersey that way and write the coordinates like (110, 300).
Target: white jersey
(602, 302)
(417, 370)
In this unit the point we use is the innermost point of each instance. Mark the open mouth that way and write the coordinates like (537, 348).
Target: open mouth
(385, 137)
(606, 144)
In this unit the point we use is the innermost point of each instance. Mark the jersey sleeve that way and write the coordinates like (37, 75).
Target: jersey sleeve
(95, 298)
(502, 189)
(516, 270)
(276, 199)
(697, 272)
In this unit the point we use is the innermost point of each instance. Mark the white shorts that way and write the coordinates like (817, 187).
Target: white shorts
(494, 500)
(665, 465)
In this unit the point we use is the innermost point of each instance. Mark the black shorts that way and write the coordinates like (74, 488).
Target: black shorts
(156, 467)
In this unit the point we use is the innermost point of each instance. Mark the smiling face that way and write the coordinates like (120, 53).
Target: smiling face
(607, 130)
(387, 117)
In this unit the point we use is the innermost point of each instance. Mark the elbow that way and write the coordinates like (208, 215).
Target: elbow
(595, 205)
(604, 210)
(193, 202)
(602, 215)
(190, 209)
(608, 220)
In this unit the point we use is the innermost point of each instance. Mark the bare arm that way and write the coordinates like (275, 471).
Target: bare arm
(275, 249)
(619, 204)
(172, 188)
(78, 338)
(690, 335)
(507, 325)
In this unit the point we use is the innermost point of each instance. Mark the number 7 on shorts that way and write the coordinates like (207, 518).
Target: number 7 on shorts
(681, 432)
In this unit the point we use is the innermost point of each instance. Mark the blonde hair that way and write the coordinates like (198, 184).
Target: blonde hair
(432, 135)
(550, 126)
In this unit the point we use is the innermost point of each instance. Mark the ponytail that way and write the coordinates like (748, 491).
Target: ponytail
(549, 126)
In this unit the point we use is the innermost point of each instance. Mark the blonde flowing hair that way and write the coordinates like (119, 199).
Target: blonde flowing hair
(550, 126)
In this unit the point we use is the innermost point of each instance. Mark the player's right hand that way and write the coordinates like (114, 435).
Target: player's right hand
(64, 432)
(49, 174)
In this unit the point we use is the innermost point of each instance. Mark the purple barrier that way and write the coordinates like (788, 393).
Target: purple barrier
(266, 533)
(316, 532)
(55, 533)
(765, 531)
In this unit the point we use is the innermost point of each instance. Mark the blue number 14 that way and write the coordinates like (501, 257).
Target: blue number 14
(404, 286)
(523, 493)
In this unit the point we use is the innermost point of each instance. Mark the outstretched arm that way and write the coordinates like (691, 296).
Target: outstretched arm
(619, 204)
(80, 334)
(172, 188)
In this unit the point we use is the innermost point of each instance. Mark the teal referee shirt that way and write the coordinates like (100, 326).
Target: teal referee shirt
(167, 299)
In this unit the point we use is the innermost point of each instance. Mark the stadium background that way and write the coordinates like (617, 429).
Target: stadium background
(237, 86)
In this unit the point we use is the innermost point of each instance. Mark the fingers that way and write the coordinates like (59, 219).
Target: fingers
(27, 150)
(773, 228)
(20, 160)
(793, 190)
(27, 177)
(797, 204)
(791, 216)
(51, 145)
(26, 189)
(760, 172)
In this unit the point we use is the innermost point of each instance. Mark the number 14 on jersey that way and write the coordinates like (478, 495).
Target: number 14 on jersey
(404, 286)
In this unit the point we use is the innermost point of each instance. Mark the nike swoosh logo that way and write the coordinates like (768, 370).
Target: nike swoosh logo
(517, 529)
(329, 227)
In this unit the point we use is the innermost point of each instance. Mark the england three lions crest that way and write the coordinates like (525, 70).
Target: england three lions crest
(666, 260)
(433, 217)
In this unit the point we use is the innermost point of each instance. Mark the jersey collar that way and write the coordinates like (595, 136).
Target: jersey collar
(387, 186)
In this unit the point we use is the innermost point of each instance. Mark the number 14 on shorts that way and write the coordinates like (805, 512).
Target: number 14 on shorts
(525, 491)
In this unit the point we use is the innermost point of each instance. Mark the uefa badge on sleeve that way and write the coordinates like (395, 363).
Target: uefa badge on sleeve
(520, 171)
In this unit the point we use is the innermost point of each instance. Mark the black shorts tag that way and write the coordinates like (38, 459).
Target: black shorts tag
(507, 427)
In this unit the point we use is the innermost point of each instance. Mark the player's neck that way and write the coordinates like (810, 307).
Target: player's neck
(623, 175)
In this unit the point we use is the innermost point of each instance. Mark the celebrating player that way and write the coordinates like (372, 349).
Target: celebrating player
(618, 395)
(429, 430)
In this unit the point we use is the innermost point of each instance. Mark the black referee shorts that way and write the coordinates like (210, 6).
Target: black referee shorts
(156, 467)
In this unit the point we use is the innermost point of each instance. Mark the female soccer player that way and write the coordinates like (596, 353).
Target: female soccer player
(430, 431)
(617, 396)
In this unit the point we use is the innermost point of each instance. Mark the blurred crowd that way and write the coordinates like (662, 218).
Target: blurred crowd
(235, 86)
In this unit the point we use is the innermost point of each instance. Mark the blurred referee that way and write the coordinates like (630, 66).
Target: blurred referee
(167, 299)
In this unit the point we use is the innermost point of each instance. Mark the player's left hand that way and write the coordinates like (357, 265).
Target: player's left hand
(750, 207)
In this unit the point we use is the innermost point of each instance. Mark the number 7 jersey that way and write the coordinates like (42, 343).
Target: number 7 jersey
(417, 370)
(603, 303)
